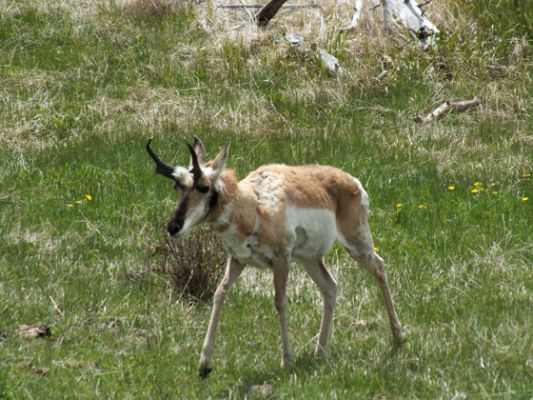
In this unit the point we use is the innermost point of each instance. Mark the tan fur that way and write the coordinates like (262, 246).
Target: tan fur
(309, 186)
(276, 214)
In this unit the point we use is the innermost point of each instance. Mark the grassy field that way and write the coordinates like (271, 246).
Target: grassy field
(84, 84)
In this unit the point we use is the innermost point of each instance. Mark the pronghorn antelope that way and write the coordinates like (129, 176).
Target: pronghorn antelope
(277, 214)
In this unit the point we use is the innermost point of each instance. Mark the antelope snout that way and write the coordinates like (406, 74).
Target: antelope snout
(174, 227)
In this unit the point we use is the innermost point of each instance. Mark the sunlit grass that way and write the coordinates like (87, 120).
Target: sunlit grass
(85, 85)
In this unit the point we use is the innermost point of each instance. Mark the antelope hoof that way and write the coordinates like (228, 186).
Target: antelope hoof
(286, 361)
(400, 337)
(204, 372)
(320, 352)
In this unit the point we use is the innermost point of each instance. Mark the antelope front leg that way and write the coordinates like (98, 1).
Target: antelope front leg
(375, 265)
(233, 270)
(281, 273)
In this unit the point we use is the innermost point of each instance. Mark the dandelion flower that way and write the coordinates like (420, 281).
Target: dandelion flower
(70, 205)
(477, 184)
(88, 197)
(398, 205)
(376, 249)
(474, 191)
(422, 206)
(526, 175)
(451, 188)
(78, 202)
(524, 198)
(494, 193)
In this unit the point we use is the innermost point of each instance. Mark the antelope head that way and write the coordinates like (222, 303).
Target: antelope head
(198, 185)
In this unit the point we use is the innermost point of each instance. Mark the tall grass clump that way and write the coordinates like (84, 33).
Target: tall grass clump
(151, 8)
(194, 264)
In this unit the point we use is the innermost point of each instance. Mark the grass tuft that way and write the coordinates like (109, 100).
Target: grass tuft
(151, 8)
(194, 264)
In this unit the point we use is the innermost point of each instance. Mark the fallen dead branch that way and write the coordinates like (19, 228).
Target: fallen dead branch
(444, 108)
(258, 6)
(407, 12)
(464, 105)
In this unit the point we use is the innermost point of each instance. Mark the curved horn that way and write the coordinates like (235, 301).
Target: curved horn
(196, 170)
(161, 167)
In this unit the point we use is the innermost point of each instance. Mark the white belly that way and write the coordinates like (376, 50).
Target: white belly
(315, 231)
(249, 251)
(311, 233)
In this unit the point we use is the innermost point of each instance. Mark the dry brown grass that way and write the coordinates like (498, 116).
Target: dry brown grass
(154, 8)
(364, 53)
(194, 264)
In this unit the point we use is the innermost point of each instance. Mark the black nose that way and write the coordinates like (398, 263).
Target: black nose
(173, 228)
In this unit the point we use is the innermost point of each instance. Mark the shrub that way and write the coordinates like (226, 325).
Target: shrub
(194, 263)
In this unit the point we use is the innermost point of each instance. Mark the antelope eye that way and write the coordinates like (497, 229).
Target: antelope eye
(202, 189)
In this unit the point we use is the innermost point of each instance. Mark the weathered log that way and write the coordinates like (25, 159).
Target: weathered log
(461, 106)
(268, 12)
(357, 11)
(411, 16)
(253, 6)
(444, 108)
(406, 11)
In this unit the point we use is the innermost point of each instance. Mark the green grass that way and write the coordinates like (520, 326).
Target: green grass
(83, 87)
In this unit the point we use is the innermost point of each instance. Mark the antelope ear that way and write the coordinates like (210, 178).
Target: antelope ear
(199, 149)
(220, 161)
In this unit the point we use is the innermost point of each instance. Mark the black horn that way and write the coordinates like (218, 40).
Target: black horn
(196, 170)
(161, 167)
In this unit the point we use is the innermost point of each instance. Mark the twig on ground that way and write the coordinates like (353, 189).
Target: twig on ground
(444, 108)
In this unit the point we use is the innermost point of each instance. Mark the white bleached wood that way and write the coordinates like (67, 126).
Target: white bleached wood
(444, 108)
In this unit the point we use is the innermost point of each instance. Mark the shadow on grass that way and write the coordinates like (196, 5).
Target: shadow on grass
(255, 380)
(262, 382)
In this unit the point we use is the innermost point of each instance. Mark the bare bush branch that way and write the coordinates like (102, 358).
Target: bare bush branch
(194, 264)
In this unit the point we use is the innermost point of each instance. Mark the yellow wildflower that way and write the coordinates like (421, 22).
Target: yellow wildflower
(477, 184)
(422, 206)
(376, 249)
(524, 198)
(474, 191)
(78, 202)
(526, 175)
(451, 188)
(70, 205)
(88, 197)
(398, 205)
(494, 193)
